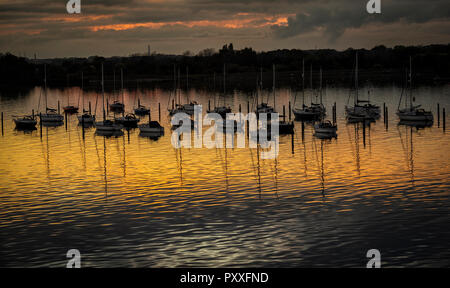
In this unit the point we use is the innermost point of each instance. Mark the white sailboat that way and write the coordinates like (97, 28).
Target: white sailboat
(413, 112)
(50, 116)
(106, 125)
(86, 118)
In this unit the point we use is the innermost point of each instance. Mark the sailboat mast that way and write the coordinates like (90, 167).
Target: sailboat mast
(356, 79)
(273, 68)
(103, 96)
(310, 82)
(303, 81)
(45, 86)
(82, 92)
(410, 81)
(224, 79)
(121, 88)
(320, 85)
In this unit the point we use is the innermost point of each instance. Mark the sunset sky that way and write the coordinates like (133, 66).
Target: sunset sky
(123, 27)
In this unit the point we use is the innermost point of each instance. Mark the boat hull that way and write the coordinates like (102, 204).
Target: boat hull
(25, 123)
(51, 118)
(415, 117)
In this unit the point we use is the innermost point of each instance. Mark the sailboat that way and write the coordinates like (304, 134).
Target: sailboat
(177, 107)
(117, 106)
(50, 116)
(285, 127)
(222, 110)
(413, 112)
(106, 125)
(70, 108)
(324, 128)
(361, 112)
(315, 110)
(25, 122)
(141, 110)
(87, 118)
(152, 129)
(263, 107)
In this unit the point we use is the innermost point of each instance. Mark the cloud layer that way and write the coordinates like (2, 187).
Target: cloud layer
(121, 27)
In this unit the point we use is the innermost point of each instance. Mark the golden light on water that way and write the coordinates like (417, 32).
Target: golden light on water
(59, 177)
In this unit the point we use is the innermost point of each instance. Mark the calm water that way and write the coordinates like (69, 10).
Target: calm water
(130, 201)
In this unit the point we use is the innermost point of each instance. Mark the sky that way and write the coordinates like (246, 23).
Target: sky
(124, 27)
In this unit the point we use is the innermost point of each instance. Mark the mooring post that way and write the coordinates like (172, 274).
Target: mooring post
(292, 143)
(387, 118)
(2, 123)
(107, 107)
(209, 105)
(443, 119)
(303, 131)
(384, 112)
(58, 108)
(65, 116)
(82, 125)
(290, 110)
(159, 112)
(248, 107)
(438, 115)
(173, 104)
(240, 108)
(40, 123)
(364, 133)
(89, 108)
(284, 112)
(32, 113)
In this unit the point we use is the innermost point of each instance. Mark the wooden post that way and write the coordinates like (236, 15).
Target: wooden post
(149, 118)
(90, 113)
(240, 108)
(173, 104)
(32, 113)
(248, 107)
(58, 108)
(40, 123)
(65, 116)
(82, 125)
(443, 119)
(387, 118)
(364, 132)
(284, 112)
(438, 114)
(303, 131)
(384, 112)
(159, 111)
(290, 111)
(209, 105)
(2, 123)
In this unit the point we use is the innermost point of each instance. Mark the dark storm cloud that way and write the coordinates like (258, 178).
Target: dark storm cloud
(178, 25)
(337, 16)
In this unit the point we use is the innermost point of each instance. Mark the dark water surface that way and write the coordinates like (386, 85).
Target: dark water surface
(130, 201)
